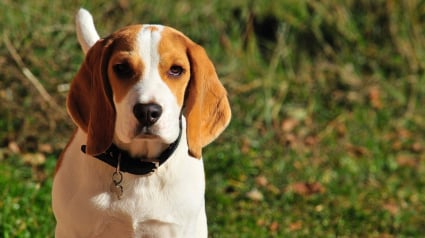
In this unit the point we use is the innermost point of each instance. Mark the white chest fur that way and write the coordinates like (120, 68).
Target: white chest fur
(168, 203)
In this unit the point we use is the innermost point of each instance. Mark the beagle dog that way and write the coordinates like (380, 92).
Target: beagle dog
(145, 101)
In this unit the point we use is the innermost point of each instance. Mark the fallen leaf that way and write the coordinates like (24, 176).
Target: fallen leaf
(34, 159)
(391, 208)
(357, 150)
(311, 140)
(404, 134)
(295, 226)
(290, 140)
(289, 124)
(407, 161)
(319, 208)
(14, 147)
(45, 148)
(416, 147)
(255, 195)
(305, 189)
(124, 4)
(246, 145)
(261, 181)
(375, 97)
(385, 235)
(341, 129)
(274, 226)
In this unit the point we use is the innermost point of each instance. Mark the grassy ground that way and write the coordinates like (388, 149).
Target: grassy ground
(327, 134)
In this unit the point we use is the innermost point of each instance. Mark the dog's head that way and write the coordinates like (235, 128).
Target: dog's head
(135, 83)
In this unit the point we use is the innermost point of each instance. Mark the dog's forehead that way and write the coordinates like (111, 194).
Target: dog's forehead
(139, 36)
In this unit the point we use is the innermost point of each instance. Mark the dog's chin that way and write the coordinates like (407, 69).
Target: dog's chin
(147, 136)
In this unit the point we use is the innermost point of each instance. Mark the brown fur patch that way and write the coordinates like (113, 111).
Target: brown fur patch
(89, 101)
(125, 51)
(172, 50)
(208, 111)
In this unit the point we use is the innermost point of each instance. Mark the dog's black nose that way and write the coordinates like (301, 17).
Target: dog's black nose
(147, 114)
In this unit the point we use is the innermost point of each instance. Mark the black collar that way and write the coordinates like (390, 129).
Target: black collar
(133, 165)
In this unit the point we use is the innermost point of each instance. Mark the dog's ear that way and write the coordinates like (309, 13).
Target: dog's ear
(207, 107)
(90, 99)
(86, 31)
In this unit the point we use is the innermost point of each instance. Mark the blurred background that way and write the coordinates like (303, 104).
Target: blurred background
(327, 135)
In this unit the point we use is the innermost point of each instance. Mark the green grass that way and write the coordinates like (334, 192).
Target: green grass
(327, 132)
(25, 209)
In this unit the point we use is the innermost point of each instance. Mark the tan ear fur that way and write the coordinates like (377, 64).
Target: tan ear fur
(89, 101)
(207, 107)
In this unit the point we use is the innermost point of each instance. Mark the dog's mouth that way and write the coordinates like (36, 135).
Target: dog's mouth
(144, 132)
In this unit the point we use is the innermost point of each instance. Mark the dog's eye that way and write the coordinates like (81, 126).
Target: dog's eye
(175, 71)
(123, 70)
